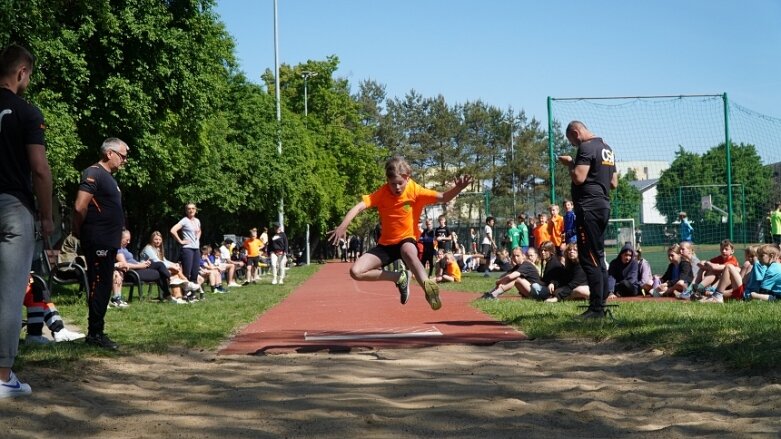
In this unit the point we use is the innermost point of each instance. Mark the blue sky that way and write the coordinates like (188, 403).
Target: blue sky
(515, 53)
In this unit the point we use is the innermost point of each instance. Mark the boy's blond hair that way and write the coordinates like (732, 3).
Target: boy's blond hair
(751, 251)
(769, 249)
(397, 166)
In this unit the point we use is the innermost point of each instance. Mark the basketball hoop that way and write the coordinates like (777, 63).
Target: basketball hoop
(706, 202)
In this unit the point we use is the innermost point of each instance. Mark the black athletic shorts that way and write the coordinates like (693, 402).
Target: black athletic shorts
(389, 253)
(252, 261)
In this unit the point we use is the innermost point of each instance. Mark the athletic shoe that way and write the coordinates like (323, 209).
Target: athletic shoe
(432, 294)
(66, 334)
(101, 341)
(219, 290)
(37, 340)
(592, 314)
(488, 296)
(685, 295)
(273, 282)
(234, 285)
(655, 292)
(117, 302)
(716, 297)
(246, 282)
(403, 285)
(14, 387)
(281, 281)
(179, 301)
(192, 286)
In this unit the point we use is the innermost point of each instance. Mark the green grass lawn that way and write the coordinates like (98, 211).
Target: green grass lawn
(741, 335)
(150, 326)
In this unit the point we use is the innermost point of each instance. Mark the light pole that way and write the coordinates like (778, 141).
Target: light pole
(512, 156)
(281, 211)
(306, 74)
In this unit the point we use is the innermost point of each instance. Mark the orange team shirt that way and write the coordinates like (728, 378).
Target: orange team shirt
(556, 229)
(729, 261)
(540, 234)
(399, 215)
(253, 247)
(454, 270)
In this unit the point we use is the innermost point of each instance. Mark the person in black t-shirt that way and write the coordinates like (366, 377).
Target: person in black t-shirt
(593, 174)
(24, 177)
(443, 235)
(98, 220)
(429, 251)
(523, 275)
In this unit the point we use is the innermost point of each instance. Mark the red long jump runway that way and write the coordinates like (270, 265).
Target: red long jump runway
(332, 312)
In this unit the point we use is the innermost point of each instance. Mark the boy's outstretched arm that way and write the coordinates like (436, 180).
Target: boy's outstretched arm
(341, 230)
(461, 183)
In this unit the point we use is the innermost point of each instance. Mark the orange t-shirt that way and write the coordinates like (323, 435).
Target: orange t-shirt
(398, 220)
(540, 234)
(253, 247)
(729, 261)
(556, 229)
(454, 270)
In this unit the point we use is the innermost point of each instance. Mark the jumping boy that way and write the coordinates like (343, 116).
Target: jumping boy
(399, 202)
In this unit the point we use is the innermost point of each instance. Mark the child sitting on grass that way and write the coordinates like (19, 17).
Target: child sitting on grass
(770, 284)
(574, 284)
(524, 276)
(710, 271)
(677, 277)
(738, 284)
(450, 271)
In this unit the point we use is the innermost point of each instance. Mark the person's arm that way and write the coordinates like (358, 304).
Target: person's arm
(613, 180)
(42, 186)
(341, 230)
(460, 184)
(80, 212)
(175, 233)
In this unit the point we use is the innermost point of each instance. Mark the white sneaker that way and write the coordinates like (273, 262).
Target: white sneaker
(14, 387)
(36, 340)
(233, 285)
(273, 282)
(179, 301)
(281, 281)
(117, 302)
(192, 286)
(66, 334)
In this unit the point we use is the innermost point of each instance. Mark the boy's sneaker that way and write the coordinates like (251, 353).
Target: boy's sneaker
(488, 296)
(233, 285)
(14, 387)
(66, 334)
(179, 301)
(101, 341)
(685, 294)
(403, 285)
(117, 302)
(432, 294)
(716, 297)
(273, 281)
(37, 340)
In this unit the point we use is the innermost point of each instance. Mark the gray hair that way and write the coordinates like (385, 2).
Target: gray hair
(112, 144)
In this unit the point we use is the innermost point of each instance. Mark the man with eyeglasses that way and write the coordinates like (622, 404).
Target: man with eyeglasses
(25, 177)
(98, 221)
(593, 174)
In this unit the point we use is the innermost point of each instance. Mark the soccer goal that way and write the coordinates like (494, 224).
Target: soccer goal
(620, 231)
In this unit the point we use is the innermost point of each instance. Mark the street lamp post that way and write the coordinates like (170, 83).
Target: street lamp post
(306, 75)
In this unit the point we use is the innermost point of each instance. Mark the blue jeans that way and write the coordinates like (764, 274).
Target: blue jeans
(17, 244)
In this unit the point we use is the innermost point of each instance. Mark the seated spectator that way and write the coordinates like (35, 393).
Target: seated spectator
(622, 273)
(227, 269)
(523, 276)
(209, 271)
(155, 251)
(534, 257)
(502, 261)
(738, 284)
(148, 271)
(40, 310)
(451, 271)
(552, 270)
(710, 271)
(770, 282)
(226, 254)
(676, 278)
(688, 254)
(573, 284)
(645, 276)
